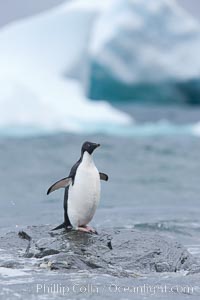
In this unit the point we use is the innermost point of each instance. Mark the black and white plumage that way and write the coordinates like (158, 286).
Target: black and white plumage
(82, 190)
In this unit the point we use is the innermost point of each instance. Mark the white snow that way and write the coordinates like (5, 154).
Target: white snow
(36, 57)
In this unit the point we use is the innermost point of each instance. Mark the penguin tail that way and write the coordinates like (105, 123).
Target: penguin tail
(60, 226)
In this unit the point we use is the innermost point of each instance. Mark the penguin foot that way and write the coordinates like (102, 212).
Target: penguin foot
(87, 229)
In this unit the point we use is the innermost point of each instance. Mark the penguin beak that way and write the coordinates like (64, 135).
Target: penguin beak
(96, 146)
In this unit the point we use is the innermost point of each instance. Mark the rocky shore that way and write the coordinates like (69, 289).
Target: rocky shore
(118, 252)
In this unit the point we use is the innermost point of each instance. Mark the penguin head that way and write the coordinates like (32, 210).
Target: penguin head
(89, 147)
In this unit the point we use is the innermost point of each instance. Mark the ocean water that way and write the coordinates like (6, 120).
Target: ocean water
(150, 152)
(153, 185)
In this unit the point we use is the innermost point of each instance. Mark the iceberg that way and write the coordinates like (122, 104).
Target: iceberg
(53, 64)
(145, 51)
(42, 59)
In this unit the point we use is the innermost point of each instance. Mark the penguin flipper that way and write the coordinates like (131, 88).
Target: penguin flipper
(103, 176)
(62, 183)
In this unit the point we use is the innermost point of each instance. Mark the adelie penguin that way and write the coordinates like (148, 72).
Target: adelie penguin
(82, 191)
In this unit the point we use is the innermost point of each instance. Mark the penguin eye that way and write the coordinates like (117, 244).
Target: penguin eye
(88, 145)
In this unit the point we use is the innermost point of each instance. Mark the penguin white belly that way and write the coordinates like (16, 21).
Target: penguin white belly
(84, 194)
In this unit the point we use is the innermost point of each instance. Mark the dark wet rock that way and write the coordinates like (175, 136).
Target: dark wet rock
(195, 269)
(23, 235)
(45, 252)
(120, 252)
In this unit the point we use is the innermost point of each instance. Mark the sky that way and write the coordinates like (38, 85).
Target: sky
(13, 9)
(193, 6)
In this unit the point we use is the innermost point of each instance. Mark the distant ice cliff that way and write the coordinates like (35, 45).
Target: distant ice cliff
(146, 51)
(51, 64)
